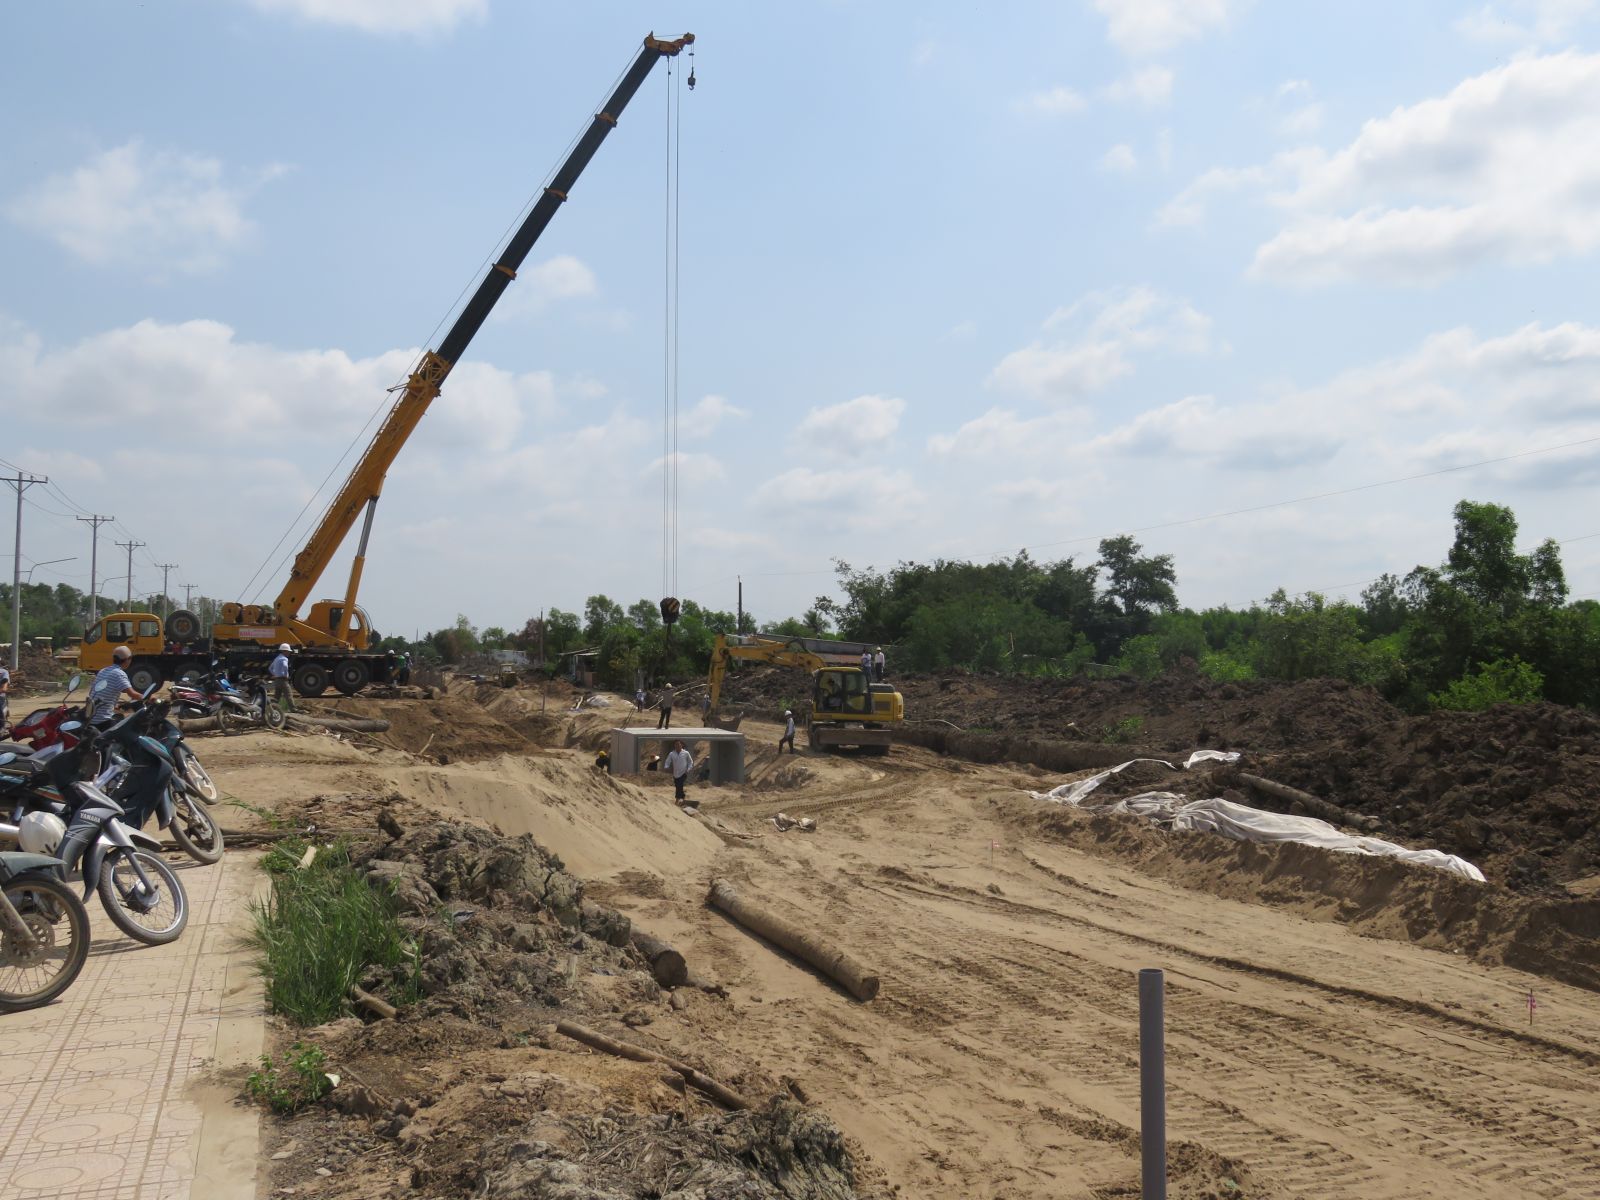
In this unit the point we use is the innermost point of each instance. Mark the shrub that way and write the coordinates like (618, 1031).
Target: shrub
(1504, 681)
(294, 1081)
(320, 930)
(1225, 667)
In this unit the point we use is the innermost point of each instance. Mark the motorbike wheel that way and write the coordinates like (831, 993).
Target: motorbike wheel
(57, 918)
(196, 830)
(224, 720)
(272, 715)
(154, 919)
(195, 773)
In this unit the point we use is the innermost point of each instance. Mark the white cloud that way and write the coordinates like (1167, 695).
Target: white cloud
(1120, 159)
(162, 209)
(707, 414)
(1150, 86)
(854, 428)
(1089, 344)
(1001, 434)
(1500, 169)
(1153, 26)
(381, 16)
(706, 468)
(1298, 113)
(1522, 22)
(197, 377)
(848, 498)
(1053, 102)
(536, 289)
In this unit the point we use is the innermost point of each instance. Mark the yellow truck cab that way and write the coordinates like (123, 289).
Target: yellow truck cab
(139, 632)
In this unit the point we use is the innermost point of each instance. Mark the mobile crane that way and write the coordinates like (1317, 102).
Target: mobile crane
(332, 641)
(847, 708)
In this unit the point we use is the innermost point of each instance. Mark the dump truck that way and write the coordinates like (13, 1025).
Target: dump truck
(846, 707)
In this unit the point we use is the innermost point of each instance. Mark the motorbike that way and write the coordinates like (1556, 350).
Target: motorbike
(214, 695)
(41, 727)
(44, 931)
(159, 774)
(85, 831)
(156, 775)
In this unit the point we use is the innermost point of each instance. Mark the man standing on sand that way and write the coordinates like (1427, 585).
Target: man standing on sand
(278, 672)
(665, 720)
(678, 763)
(788, 732)
(638, 698)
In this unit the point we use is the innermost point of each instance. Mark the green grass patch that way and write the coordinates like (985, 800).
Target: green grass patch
(291, 1082)
(320, 930)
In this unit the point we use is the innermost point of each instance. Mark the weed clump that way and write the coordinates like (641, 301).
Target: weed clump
(293, 1081)
(323, 927)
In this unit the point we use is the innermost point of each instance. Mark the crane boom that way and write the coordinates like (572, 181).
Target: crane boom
(365, 482)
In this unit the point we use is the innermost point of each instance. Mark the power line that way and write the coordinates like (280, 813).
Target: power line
(21, 481)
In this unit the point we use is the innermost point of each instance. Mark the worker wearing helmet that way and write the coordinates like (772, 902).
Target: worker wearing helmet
(278, 672)
(877, 666)
(788, 732)
(111, 683)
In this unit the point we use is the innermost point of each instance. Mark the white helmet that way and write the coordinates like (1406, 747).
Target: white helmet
(284, 648)
(41, 833)
(787, 713)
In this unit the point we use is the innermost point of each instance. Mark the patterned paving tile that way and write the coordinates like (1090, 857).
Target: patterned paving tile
(93, 1088)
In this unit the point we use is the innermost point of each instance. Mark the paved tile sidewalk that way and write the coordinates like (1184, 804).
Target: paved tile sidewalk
(97, 1091)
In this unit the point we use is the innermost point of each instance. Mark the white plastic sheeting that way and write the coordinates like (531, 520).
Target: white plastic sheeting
(1241, 822)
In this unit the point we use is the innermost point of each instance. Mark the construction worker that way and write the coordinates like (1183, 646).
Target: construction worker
(111, 683)
(788, 732)
(866, 663)
(877, 666)
(638, 698)
(705, 709)
(679, 763)
(664, 721)
(5, 695)
(278, 672)
(405, 669)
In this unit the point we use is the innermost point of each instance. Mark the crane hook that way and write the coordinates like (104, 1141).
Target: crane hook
(691, 69)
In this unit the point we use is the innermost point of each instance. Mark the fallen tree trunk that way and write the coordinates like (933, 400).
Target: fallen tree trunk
(373, 1005)
(829, 959)
(197, 724)
(666, 964)
(340, 724)
(721, 1093)
(1314, 805)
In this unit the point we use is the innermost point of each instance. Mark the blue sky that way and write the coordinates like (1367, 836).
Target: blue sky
(950, 285)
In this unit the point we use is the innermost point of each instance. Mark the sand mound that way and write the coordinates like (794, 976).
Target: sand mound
(449, 728)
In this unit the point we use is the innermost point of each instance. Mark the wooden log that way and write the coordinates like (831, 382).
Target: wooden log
(701, 1082)
(339, 724)
(666, 964)
(808, 947)
(197, 724)
(375, 1006)
(1314, 805)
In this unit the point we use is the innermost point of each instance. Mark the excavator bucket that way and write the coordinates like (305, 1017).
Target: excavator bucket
(731, 724)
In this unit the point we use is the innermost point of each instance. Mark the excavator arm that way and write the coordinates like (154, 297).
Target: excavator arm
(362, 488)
(779, 653)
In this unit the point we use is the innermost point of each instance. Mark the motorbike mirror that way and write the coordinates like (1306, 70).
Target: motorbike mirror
(72, 684)
(71, 726)
(151, 690)
(7, 758)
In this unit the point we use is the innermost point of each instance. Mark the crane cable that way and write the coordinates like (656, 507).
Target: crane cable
(671, 461)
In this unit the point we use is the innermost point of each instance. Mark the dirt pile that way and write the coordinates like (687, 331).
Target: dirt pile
(448, 728)
(1179, 710)
(1513, 789)
(469, 1093)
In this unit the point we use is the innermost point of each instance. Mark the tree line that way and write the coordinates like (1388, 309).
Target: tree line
(1489, 623)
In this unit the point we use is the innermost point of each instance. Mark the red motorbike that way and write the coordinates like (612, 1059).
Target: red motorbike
(42, 727)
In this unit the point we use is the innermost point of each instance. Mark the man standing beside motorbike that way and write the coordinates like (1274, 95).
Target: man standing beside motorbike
(109, 686)
(278, 672)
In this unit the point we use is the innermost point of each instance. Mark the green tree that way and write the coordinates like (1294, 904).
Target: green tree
(600, 613)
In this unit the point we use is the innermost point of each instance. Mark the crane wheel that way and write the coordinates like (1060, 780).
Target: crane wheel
(143, 673)
(311, 679)
(350, 676)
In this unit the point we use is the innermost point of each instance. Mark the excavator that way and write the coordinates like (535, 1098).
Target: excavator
(847, 708)
(332, 641)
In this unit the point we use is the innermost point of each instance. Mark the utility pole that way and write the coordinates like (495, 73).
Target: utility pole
(94, 549)
(165, 605)
(738, 622)
(188, 594)
(22, 482)
(130, 546)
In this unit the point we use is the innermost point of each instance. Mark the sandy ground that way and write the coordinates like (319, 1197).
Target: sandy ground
(999, 1059)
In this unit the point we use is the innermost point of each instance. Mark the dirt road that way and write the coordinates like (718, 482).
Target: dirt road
(1000, 1058)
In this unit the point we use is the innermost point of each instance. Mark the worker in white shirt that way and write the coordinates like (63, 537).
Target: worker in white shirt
(278, 672)
(678, 764)
(788, 732)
